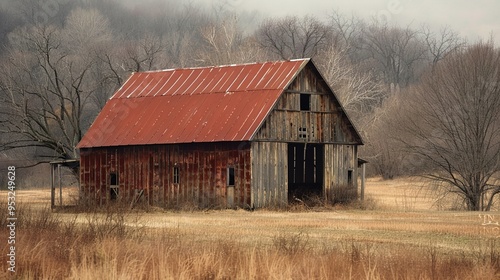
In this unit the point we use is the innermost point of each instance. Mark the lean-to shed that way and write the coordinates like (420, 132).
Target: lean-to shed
(249, 135)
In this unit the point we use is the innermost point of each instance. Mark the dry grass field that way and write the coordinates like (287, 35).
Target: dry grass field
(400, 232)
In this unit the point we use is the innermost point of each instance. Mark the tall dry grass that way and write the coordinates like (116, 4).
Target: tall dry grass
(104, 246)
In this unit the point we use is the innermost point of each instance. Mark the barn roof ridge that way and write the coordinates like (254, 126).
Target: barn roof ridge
(201, 93)
(223, 65)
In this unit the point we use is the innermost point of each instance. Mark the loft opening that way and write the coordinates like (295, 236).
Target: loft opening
(305, 102)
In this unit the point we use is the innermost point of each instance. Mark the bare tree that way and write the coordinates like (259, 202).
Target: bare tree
(439, 45)
(222, 39)
(359, 91)
(118, 59)
(395, 51)
(86, 30)
(292, 37)
(347, 33)
(385, 153)
(179, 29)
(147, 53)
(454, 123)
(87, 33)
(225, 43)
(47, 88)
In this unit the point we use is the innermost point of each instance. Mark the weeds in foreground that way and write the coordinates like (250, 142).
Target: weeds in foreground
(291, 243)
(318, 203)
(104, 246)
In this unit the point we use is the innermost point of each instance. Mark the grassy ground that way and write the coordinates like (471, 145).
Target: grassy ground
(404, 235)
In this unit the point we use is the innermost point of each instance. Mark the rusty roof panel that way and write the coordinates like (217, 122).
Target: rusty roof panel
(209, 104)
(232, 78)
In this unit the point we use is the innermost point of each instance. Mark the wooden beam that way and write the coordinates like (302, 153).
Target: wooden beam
(306, 92)
(60, 184)
(363, 173)
(52, 187)
(312, 142)
(310, 111)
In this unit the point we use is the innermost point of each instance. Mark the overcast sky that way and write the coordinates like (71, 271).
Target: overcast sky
(473, 19)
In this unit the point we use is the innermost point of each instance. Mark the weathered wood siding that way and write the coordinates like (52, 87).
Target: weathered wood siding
(339, 160)
(323, 123)
(269, 174)
(202, 173)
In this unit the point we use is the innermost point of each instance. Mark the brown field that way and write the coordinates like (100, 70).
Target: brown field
(400, 232)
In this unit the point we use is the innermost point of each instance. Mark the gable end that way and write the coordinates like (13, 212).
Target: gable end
(308, 111)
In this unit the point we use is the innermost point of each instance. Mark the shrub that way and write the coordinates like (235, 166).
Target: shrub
(343, 194)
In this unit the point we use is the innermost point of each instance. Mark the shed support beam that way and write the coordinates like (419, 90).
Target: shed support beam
(52, 187)
(363, 172)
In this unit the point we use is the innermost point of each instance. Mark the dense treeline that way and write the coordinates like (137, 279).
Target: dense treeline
(61, 60)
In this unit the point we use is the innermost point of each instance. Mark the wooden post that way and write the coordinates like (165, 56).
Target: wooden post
(363, 170)
(52, 187)
(60, 184)
(80, 192)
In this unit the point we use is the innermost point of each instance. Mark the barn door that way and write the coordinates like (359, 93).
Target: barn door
(305, 170)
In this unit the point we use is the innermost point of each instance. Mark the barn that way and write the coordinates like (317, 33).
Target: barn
(248, 135)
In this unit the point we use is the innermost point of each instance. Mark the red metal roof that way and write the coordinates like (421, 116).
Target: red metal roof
(209, 104)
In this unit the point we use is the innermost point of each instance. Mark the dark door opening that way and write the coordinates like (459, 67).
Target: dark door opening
(305, 170)
(113, 186)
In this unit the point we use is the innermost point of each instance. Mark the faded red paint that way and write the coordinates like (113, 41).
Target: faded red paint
(203, 173)
(210, 104)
